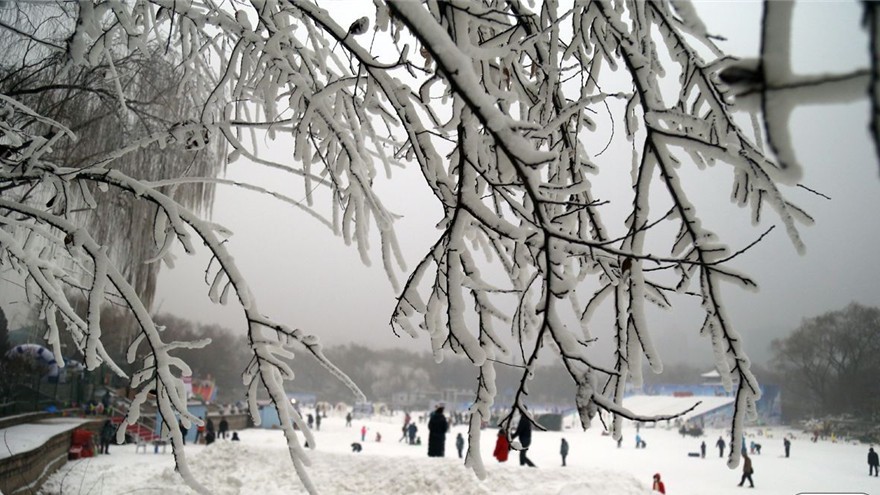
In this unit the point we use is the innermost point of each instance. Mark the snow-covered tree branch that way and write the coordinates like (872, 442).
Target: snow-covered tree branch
(506, 109)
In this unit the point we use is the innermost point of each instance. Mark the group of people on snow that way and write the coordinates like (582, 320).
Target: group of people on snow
(523, 432)
(409, 430)
(314, 421)
(206, 431)
(439, 424)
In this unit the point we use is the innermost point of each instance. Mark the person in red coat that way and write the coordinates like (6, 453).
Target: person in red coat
(502, 446)
(658, 485)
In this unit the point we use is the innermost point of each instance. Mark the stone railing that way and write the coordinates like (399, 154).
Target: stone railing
(20, 419)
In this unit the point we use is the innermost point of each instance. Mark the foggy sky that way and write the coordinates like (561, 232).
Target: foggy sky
(305, 277)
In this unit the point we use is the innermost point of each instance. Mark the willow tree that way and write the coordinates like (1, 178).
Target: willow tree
(36, 73)
(502, 108)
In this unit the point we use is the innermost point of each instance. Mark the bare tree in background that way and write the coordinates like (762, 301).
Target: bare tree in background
(830, 363)
(506, 109)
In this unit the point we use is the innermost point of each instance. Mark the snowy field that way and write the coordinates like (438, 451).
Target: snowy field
(259, 464)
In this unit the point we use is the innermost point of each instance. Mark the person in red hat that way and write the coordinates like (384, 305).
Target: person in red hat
(658, 485)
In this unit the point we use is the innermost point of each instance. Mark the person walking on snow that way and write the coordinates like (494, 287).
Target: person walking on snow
(720, 444)
(658, 485)
(563, 450)
(747, 471)
(459, 444)
(873, 462)
(787, 444)
(703, 450)
(524, 432)
(502, 446)
(364, 433)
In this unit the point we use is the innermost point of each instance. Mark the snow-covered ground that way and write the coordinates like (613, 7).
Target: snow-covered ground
(259, 464)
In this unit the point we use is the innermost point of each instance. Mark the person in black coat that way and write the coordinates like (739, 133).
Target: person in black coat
(108, 431)
(524, 433)
(437, 428)
(720, 444)
(873, 462)
(224, 427)
(563, 450)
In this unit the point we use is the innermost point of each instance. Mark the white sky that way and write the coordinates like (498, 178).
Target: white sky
(305, 277)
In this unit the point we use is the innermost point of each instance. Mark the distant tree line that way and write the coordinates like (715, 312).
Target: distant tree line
(383, 372)
(379, 372)
(830, 365)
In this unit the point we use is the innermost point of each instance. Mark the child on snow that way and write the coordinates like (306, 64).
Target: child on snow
(658, 485)
(502, 446)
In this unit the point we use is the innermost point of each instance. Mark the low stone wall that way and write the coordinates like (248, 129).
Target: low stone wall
(20, 419)
(23, 474)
